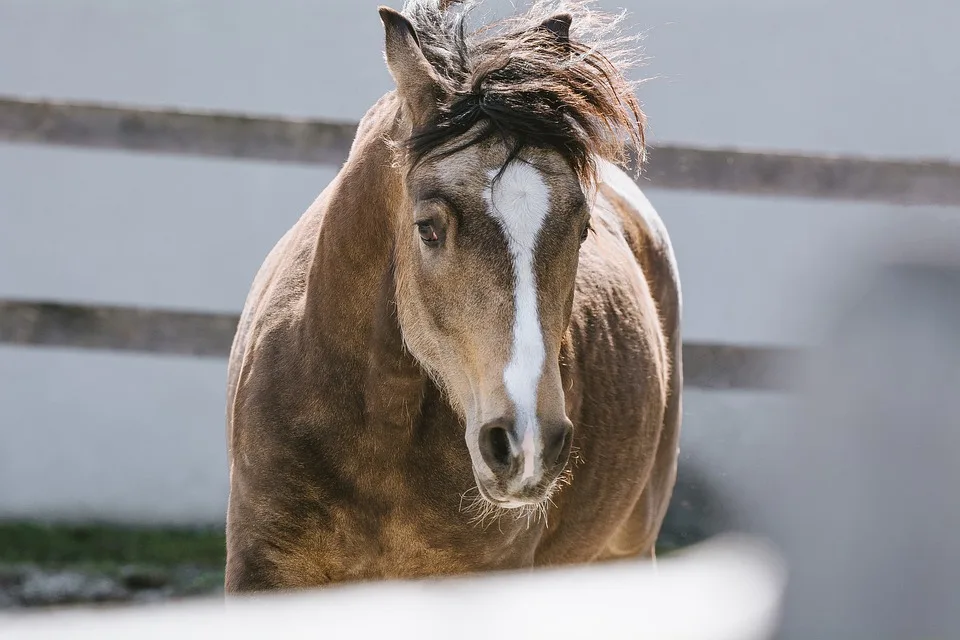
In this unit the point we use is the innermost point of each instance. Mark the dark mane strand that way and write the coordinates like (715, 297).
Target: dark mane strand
(529, 87)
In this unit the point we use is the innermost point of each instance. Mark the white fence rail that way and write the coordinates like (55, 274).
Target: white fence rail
(726, 589)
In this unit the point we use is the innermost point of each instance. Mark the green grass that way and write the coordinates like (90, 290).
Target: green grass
(108, 546)
(57, 545)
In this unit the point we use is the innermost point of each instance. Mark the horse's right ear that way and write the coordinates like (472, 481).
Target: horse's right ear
(559, 26)
(417, 80)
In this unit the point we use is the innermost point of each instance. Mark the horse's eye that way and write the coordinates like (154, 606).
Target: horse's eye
(584, 233)
(427, 232)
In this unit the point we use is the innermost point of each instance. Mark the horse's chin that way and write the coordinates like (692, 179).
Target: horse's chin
(510, 502)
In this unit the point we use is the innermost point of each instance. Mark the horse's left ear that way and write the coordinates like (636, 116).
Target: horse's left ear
(559, 26)
(417, 81)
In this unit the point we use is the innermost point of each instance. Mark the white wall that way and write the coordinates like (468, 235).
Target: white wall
(135, 437)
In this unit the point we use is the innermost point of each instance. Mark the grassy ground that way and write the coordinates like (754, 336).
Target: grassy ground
(61, 565)
(70, 545)
(92, 545)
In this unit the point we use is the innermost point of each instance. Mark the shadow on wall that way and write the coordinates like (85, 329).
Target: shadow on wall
(697, 511)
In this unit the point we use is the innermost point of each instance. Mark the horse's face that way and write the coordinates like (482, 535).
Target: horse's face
(487, 259)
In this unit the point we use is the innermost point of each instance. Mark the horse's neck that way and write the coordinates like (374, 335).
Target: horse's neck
(350, 289)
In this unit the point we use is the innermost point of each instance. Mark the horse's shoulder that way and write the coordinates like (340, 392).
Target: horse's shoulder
(273, 310)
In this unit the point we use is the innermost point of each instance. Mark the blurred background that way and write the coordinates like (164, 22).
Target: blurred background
(113, 477)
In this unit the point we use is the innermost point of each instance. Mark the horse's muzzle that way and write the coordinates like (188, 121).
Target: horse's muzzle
(524, 466)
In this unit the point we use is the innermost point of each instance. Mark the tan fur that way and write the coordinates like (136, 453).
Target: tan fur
(360, 367)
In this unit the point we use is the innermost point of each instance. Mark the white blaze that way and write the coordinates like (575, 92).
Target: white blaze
(519, 200)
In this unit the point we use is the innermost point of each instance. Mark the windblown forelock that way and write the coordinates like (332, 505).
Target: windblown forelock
(512, 80)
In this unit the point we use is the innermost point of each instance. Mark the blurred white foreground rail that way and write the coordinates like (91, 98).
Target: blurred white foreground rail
(726, 589)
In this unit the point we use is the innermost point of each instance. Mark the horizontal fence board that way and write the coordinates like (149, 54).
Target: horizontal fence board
(114, 328)
(229, 135)
(902, 182)
(176, 333)
(174, 131)
(724, 366)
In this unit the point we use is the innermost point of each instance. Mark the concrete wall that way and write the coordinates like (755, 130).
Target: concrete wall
(134, 437)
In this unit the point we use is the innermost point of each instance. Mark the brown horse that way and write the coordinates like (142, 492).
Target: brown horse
(477, 294)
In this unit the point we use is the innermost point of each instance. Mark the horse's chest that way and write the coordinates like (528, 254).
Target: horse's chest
(409, 543)
(415, 512)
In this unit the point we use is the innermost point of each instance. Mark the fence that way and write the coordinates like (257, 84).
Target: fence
(245, 137)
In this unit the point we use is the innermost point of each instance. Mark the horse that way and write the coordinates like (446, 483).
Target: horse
(466, 355)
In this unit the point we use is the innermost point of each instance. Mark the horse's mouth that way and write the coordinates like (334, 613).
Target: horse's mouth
(511, 503)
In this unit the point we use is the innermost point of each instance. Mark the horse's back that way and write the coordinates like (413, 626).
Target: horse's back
(634, 257)
(647, 235)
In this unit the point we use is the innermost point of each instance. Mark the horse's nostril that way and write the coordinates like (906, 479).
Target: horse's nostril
(564, 445)
(499, 445)
(495, 445)
(557, 444)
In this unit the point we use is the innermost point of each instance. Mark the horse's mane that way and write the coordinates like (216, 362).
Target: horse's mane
(529, 86)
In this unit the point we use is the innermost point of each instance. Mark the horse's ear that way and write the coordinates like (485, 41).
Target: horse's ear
(417, 81)
(559, 26)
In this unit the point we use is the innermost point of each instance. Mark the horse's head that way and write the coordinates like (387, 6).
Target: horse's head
(486, 267)
(500, 141)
